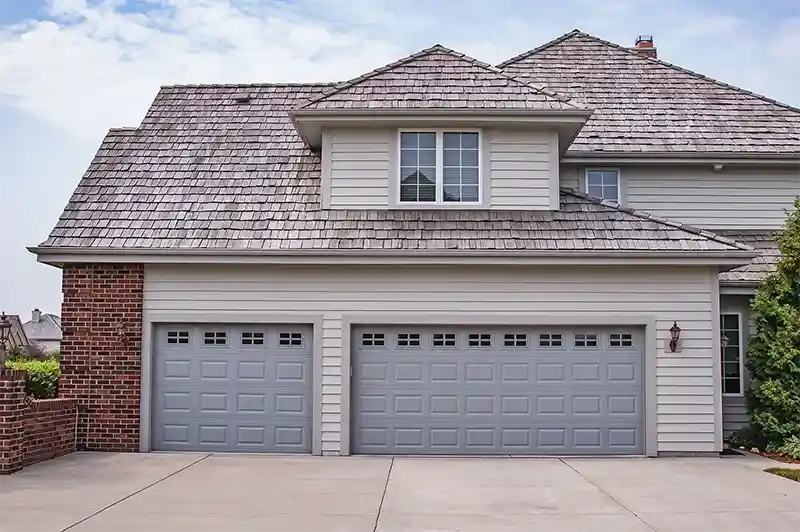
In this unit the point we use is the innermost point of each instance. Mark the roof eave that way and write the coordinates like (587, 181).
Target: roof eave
(782, 158)
(59, 256)
(310, 122)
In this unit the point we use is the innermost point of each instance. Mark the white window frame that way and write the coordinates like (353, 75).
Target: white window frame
(439, 166)
(599, 169)
(741, 354)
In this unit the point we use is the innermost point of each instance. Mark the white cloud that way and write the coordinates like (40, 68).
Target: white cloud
(91, 65)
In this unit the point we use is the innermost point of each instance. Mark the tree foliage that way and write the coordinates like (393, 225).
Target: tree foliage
(773, 357)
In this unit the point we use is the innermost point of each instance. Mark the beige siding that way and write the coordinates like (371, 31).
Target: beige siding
(357, 170)
(733, 198)
(685, 385)
(520, 169)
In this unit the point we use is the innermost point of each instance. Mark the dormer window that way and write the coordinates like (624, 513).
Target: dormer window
(603, 183)
(439, 167)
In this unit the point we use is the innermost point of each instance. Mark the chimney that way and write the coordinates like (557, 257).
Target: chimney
(644, 45)
(36, 315)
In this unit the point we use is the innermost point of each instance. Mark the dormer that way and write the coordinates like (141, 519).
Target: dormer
(439, 130)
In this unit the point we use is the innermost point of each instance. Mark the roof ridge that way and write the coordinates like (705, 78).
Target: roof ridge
(539, 48)
(657, 219)
(248, 85)
(341, 86)
(654, 60)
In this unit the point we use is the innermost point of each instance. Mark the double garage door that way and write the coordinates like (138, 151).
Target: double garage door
(415, 390)
(232, 387)
(497, 390)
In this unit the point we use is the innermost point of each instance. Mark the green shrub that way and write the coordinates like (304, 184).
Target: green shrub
(773, 358)
(790, 448)
(42, 378)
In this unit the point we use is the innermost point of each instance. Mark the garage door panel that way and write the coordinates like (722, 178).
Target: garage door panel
(471, 398)
(251, 394)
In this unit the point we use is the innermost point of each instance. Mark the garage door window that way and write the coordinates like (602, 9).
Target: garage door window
(373, 340)
(178, 337)
(585, 339)
(480, 340)
(515, 340)
(252, 338)
(409, 340)
(620, 340)
(443, 340)
(215, 338)
(290, 339)
(551, 340)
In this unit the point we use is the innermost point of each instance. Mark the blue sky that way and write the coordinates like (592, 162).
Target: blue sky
(71, 69)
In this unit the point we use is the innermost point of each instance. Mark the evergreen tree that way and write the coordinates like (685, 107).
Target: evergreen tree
(773, 357)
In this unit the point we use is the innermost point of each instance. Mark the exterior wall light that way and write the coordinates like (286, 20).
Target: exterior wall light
(675, 333)
(5, 329)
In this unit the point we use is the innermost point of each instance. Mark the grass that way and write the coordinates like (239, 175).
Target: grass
(791, 474)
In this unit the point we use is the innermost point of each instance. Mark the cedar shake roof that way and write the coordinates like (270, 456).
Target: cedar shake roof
(208, 171)
(761, 266)
(644, 105)
(437, 78)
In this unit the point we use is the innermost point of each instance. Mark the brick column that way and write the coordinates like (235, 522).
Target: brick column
(101, 352)
(12, 422)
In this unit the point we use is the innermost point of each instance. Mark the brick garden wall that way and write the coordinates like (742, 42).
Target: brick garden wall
(49, 429)
(101, 352)
(32, 431)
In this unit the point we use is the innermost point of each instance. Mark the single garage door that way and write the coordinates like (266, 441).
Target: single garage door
(225, 387)
(497, 390)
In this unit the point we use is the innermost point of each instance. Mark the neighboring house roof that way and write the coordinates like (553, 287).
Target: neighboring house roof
(204, 172)
(16, 335)
(437, 77)
(644, 105)
(763, 265)
(47, 328)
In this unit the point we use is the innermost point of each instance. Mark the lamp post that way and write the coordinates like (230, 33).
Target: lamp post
(5, 327)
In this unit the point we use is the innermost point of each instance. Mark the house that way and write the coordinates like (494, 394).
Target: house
(44, 330)
(15, 337)
(437, 257)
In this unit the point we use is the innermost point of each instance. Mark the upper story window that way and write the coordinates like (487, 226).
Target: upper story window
(603, 183)
(439, 167)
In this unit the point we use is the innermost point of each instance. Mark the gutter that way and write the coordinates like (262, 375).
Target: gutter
(732, 258)
(683, 158)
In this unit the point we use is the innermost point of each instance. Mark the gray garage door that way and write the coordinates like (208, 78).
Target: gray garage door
(491, 390)
(224, 387)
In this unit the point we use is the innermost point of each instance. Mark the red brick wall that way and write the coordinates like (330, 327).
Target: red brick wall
(12, 409)
(49, 429)
(101, 352)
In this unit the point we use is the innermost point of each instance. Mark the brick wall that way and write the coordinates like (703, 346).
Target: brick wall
(101, 352)
(12, 409)
(49, 429)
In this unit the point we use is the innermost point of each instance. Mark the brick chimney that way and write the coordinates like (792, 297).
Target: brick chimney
(36, 315)
(644, 45)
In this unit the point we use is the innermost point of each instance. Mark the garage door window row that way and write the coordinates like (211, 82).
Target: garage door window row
(512, 340)
(218, 338)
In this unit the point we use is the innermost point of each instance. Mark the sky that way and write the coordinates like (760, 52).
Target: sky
(72, 69)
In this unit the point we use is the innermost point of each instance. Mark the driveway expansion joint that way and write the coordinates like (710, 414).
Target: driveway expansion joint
(128, 496)
(383, 496)
(607, 494)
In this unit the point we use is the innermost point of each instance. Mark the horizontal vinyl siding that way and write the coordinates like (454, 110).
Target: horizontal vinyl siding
(357, 168)
(685, 383)
(520, 169)
(731, 199)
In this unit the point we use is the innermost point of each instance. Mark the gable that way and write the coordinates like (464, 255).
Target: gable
(437, 78)
(645, 105)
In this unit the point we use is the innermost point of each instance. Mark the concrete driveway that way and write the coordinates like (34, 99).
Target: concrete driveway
(197, 492)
